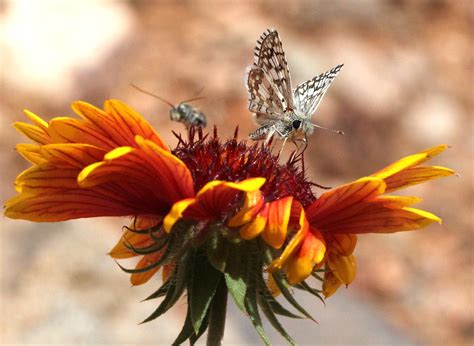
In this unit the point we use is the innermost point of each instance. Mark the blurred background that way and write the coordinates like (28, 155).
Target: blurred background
(406, 85)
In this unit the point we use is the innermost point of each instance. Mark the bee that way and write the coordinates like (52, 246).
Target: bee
(278, 109)
(183, 112)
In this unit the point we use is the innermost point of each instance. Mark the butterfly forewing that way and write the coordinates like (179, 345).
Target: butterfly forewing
(269, 56)
(309, 94)
(265, 99)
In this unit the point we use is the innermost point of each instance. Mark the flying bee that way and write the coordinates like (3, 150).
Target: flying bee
(278, 109)
(183, 112)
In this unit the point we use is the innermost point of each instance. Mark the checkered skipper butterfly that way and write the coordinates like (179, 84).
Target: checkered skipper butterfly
(278, 109)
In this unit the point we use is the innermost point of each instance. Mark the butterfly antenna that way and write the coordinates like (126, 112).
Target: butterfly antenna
(153, 95)
(328, 129)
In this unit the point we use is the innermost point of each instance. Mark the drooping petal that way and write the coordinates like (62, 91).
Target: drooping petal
(137, 279)
(311, 252)
(331, 203)
(415, 175)
(342, 244)
(252, 204)
(330, 284)
(253, 228)
(134, 239)
(176, 213)
(293, 245)
(214, 199)
(277, 223)
(343, 267)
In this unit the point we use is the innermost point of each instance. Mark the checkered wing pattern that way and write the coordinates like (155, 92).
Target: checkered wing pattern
(265, 99)
(269, 56)
(309, 94)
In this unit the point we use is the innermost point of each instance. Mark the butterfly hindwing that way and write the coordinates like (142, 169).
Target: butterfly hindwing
(309, 94)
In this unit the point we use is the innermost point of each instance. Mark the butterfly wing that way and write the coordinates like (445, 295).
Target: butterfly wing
(264, 98)
(269, 56)
(309, 94)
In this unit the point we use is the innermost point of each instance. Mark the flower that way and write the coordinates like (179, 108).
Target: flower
(215, 216)
(359, 207)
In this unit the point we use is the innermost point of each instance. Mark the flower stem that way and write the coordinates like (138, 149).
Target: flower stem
(217, 314)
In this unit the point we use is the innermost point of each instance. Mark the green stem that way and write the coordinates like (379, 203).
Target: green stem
(217, 313)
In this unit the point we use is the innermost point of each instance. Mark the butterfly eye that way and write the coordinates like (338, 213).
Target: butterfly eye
(296, 124)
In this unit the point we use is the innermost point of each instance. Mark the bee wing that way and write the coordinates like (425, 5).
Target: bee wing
(309, 94)
(269, 56)
(264, 98)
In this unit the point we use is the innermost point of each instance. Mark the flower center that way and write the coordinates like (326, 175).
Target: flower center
(211, 159)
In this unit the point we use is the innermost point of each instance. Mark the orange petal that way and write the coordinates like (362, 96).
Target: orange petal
(71, 155)
(252, 229)
(137, 240)
(330, 284)
(416, 175)
(343, 267)
(149, 170)
(167, 270)
(215, 198)
(176, 213)
(137, 279)
(252, 204)
(376, 217)
(272, 286)
(33, 132)
(129, 121)
(331, 203)
(311, 252)
(342, 244)
(68, 130)
(409, 161)
(37, 120)
(277, 224)
(293, 245)
(31, 152)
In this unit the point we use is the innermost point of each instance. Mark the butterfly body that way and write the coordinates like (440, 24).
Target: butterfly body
(278, 109)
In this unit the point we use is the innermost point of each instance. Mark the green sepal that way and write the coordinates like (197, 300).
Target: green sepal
(176, 288)
(315, 292)
(160, 292)
(236, 275)
(270, 315)
(218, 249)
(250, 299)
(202, 286)
(187, 331)
(276, 307)
(204, 325)
(282, 285)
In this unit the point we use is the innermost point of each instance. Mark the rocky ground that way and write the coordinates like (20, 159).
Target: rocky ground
(406, 86)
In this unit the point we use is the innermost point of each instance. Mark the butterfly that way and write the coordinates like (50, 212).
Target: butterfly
(278, 109)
